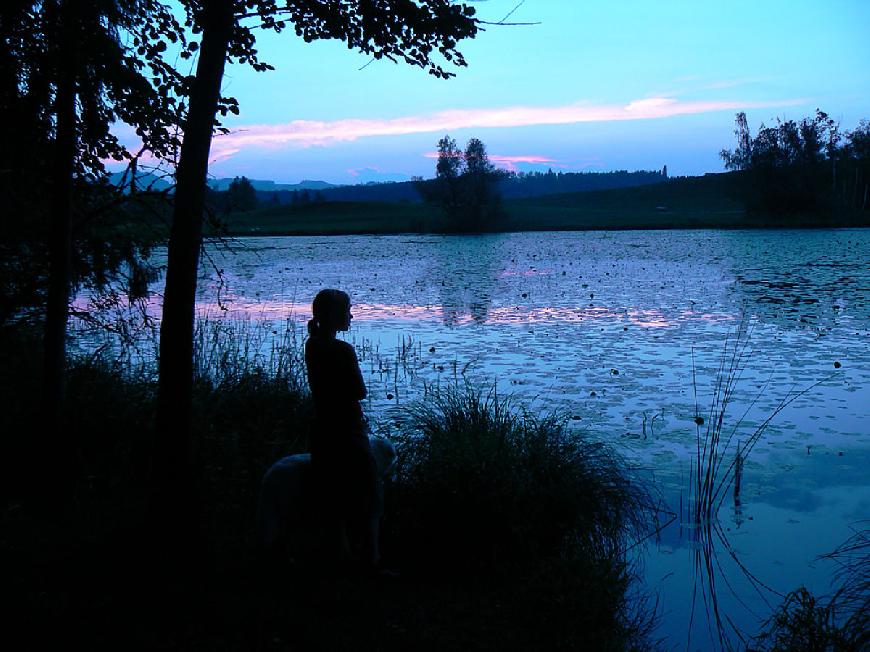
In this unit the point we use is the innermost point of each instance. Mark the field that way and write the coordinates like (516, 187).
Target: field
(694, 202)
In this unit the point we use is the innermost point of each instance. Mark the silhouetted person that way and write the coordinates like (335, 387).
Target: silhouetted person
(342, 465)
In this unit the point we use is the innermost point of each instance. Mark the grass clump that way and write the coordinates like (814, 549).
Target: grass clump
(497, 498)
(483, 486)
(837, 623)
(805, 623)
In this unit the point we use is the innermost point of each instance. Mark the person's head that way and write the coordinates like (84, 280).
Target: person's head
(331, 312)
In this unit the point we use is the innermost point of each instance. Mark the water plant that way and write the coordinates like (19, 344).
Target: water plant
(718, 465)
(717, 434)
(839, 622)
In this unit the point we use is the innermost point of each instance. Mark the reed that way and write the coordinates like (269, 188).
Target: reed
(723, 444)
(716, 434)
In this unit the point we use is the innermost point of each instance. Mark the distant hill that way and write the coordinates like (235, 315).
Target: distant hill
(270, 186)
(513, 186)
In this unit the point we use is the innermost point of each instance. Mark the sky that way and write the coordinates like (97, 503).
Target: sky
(591, 86)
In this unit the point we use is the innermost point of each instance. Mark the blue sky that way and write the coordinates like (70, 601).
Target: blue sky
(593, 86)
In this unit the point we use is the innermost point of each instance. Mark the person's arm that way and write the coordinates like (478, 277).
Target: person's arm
(356, 385)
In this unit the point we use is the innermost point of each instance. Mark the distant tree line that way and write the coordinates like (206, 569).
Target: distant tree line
(534, 184)
(511, 185)
(801, 167)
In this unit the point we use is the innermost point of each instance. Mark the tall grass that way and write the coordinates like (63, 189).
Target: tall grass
(839, 622)
(484, 485)
(717, 435)
(250, 407)
(852, 599)
(534, 516)
(488, 492)
(723, 443)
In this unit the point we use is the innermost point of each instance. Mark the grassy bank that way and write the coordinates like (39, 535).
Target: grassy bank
(683, 203)
(507, 532)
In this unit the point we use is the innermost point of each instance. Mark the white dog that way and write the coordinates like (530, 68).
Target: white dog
(285, 519)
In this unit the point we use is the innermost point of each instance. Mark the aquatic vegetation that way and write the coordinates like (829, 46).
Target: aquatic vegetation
(839, 622)
(712, 475)
(506, 486)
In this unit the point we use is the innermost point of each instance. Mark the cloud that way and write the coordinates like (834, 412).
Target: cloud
(510, 162)
(308, 133)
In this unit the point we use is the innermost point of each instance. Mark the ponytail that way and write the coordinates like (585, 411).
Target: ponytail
(326, 308)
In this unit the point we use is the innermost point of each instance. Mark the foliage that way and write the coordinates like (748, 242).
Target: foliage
(240, 196)
(804, 623)
(481, 487)
(465, 186)
(800, 166)
(118, 74)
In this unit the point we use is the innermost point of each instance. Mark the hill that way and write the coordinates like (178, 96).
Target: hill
(264, 186)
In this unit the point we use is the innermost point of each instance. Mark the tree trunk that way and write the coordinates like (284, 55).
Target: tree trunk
(173, 506)
(60, 260)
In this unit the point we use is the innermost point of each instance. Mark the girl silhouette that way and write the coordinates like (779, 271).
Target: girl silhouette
(341, 459)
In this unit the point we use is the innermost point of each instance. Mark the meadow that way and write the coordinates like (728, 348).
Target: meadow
(704, 202)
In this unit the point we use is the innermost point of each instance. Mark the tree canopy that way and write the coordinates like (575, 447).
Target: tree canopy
(801, 167)
(465, 186)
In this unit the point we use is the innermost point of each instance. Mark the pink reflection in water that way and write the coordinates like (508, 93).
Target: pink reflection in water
(505, 273)
(461, 315)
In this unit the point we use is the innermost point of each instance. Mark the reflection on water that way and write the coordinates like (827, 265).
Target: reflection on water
(602, 326)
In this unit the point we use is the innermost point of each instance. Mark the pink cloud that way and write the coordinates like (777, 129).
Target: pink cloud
(308, 133)
(509, 162)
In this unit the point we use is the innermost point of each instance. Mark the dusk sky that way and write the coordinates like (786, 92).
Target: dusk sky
(593, 86)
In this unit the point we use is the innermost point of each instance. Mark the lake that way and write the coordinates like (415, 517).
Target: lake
(624, 332)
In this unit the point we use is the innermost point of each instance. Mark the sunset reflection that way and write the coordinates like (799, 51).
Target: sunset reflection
(459, 315)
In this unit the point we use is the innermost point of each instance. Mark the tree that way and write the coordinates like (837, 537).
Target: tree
(67, 77)
(783, 168)
(739, 159)
(466, 187)
(480, 180)
(448, 169)
(857, 155)
(415, 31)
(240, 195)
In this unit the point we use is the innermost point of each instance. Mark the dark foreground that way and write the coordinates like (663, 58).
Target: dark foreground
(525, 554)
(506, 532)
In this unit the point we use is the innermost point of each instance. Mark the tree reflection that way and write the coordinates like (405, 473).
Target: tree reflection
(467, 270)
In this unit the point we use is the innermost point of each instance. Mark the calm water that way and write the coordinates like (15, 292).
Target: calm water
(605, 327)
